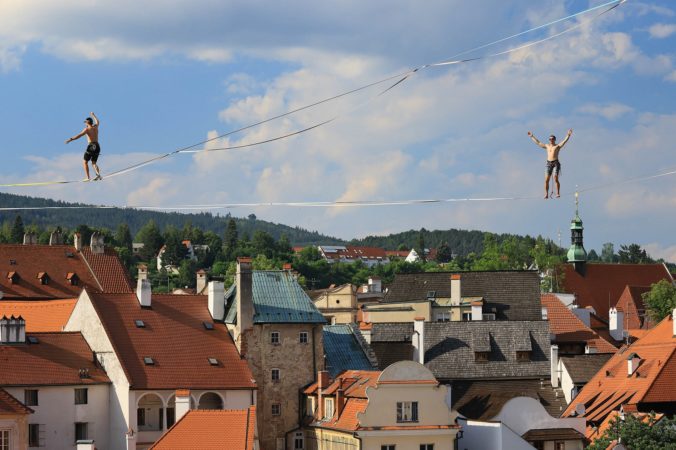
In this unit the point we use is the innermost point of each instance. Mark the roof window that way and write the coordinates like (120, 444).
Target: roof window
(208, 325)
(213, 361)
(149, 361)
(33, 340)
(140, 324)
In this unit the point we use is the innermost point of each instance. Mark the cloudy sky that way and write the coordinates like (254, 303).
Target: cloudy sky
(171, 73)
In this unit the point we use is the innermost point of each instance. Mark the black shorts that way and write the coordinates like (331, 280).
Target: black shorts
(92, 152)
(554, 166)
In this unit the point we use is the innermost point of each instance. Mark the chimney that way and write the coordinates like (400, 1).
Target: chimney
(56, 237)
(477, 310)
(322, 384)
(632, 363)
(418, 339)
(181, 403)
(96, 244)
(455, 289)
(30, 238)
(144, 292)
(545, 314)
(12, 330)
(340, 400)
(616, 323)
(77, 241)
(554, 369)
(217, 300)
(287, 266)
(142, 272)
(85, 444)
(201, 282)
(244, 297)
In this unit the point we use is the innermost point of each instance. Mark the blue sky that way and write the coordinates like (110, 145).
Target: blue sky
(177, 72)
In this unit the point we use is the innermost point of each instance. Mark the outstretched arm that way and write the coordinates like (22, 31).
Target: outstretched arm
(96, 119)
(78, 136)
(540, 144)
(563, 142)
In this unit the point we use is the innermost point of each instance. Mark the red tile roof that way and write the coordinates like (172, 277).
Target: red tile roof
(355, 253)
(40, 315)
(653, 380)
(10, 405)
(631, 302)
(175, 337)
(567, 327)
(211, 429)
(602, 284)
(57, 359)
(108, 270)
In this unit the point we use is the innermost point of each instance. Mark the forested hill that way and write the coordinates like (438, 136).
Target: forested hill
(461, 242)
(135, 219)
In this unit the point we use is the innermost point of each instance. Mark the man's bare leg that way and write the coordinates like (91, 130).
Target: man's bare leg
(86, 168)
(558, 186)
(547, 186)
(98, 171)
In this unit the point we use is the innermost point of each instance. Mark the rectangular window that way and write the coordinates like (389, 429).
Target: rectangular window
(141, 417)
(299, 441)
(276, 409)
(444, 316)
(407, 411)
(310, 405)
(426, 446)
(559, 445)
(328, 408)
(481, 356)
(274, 338)
(303, 337)
(161, 418)
(4, 440)
(30, 397)
(171, 416)
(81, 433)
(523, 356)
(388, 447)
(35, 435)
(276, 375)
(467, 317)
(81, 396)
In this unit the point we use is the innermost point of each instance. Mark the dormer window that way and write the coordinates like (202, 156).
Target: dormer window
(13, 277)
(523, 356)
(73, 279)
(43, 277)
(481, 357)
(328, 408)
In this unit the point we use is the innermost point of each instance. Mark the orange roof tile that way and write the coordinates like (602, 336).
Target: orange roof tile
(175, 337)
(40, 315)
(631, 302)
(653, 380)
(56, 359)
(567, 327)
(10, 405)
(211, 429)
(108, 270)
(602, 284)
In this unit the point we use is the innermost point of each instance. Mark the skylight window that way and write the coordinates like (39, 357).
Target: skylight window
(213, 361)
(148, 361)
(208, 325)
(140, 324)
(33, 340)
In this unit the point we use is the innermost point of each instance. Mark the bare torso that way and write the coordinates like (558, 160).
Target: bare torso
(92, 133)
(553, 151)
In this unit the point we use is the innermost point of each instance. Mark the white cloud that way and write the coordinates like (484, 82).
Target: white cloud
(610, 111)
(662, 30)
(671, 77)
(657, 251)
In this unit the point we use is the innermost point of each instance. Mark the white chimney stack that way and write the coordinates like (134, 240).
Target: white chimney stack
(56, 238)
(144, 292)
(142, 272)
(201, 282)
(96, 243)
(616, 323)
(30, 238)
(77, 241)
(217, 300)
(455, 289)
(554, 375)
(477, 311)
(418, 339)
(181, 403)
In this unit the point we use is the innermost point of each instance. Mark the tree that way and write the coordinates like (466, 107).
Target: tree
(645, 433)
(230, 241)
(252, 217)
(608, 252)
(187, 273)
(444, 253)
(660, 300)
(633, 254)
(284, 249)
(421, 245)
(174, 250)
(123, 236)
(16, 235)
(592, 255)
(149, 235)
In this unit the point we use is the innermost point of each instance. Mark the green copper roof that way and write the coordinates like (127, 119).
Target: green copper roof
(577, 253)
(576, 223)
(342, 350)
(278, 298)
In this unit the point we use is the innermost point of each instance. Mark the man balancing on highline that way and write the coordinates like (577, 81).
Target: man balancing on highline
(553, 164)
(91, 130)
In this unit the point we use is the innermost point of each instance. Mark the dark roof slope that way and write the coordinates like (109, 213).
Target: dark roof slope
(342, 350)
(56, 359)
(10, 405)
(483, 400)
(515, 295)
(450, 349)
(175, 337)
(108, 270)
(582, 368)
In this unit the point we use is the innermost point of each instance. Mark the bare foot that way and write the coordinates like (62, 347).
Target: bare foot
(558, 195)
(546, 196)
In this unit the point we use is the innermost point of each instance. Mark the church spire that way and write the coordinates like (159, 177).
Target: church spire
(576, 253)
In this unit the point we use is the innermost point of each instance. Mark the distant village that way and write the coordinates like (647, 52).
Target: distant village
(259, 358)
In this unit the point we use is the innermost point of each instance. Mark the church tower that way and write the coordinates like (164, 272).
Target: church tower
(576, 253)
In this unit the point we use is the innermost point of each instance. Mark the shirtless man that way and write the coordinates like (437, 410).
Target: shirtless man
(93, 148)
(553, 164)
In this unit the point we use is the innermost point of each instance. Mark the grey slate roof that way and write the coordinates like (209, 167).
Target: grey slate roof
(277, 298)
(583, 367)
(515, 295)
(483, 400)
(342, 350)
(450, 348)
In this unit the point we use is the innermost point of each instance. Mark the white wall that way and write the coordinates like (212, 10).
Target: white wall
(478, 435)
(85, 320)
(57, 412)
(522, 414)
(566, 382)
